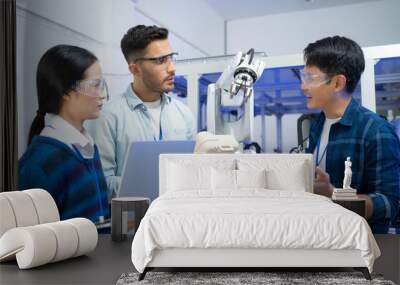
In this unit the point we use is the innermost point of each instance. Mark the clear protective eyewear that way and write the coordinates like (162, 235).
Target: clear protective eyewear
(160, 60)
(93, 88)
(313, 79)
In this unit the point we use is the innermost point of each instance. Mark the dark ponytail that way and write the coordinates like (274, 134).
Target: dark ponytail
(36, 126)
(58, 71)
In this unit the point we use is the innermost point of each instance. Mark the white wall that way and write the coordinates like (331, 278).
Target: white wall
(369, 24)
(192, 20)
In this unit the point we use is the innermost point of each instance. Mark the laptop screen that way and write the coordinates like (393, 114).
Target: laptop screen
(140, 172)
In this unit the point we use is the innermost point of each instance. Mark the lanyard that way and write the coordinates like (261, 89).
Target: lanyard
(160, 135)
(317, 162)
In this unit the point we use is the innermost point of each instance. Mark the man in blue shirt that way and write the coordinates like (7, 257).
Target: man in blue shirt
(346, 129)
(145, 111)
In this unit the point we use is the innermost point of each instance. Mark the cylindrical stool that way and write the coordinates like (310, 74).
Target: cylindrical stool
(119, 214)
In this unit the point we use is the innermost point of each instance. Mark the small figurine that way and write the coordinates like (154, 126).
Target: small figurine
(347, 174)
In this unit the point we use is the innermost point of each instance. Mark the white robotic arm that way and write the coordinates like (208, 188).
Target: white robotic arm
(233, 90)
(241, 74)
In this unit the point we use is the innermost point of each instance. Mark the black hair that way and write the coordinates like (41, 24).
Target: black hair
(337, 55)
(139, 37)
(58, 71)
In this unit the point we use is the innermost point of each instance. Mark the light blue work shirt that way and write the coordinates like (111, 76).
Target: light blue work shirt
(125, 120)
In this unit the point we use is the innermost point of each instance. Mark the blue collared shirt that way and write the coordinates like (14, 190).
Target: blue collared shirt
(374, 149)
(125, 120)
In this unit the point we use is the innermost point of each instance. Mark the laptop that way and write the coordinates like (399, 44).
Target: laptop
(140, 171)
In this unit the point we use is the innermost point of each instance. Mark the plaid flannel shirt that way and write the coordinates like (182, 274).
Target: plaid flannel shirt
(374, 149)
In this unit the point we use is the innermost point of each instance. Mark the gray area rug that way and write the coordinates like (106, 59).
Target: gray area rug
(225, 278)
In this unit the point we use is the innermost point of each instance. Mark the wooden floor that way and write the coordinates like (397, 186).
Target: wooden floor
(389, 262)
(110, 259)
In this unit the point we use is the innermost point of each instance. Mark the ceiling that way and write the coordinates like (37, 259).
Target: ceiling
(238, 9)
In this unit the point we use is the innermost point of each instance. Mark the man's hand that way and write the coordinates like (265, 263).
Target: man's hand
(322, 183)
(369, 206)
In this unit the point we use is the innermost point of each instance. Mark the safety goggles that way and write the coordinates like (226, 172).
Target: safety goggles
(92, 88)
(161, 60)
(314, 80)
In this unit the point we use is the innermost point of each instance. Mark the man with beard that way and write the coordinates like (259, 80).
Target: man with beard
(144, 112)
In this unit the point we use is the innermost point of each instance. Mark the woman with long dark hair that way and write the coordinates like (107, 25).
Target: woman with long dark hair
(61, 156)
